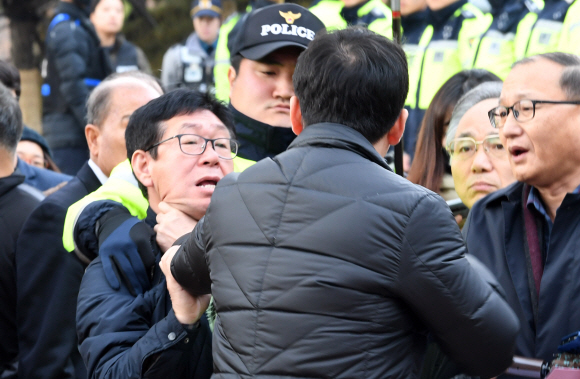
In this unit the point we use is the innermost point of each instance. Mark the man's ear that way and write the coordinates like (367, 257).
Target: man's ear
(296, 115)
(140, 164)
(92, 134)
(396, 133)
(231, 78)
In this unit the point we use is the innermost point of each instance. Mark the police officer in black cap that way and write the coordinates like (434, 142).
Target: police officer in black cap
(74, 65)
(263, 58)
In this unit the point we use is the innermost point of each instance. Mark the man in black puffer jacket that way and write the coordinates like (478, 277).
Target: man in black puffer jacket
(74, 65)
(325, 264)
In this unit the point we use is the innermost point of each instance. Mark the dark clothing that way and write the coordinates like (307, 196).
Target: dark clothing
(125, 56)
(125, 335)
(70, 159)
(413, 27)
(17, 200)
(48, 280)
(508, 15)
(326, 264)
(40, 178)
(75, 64)
(495, 233)
(258, 140)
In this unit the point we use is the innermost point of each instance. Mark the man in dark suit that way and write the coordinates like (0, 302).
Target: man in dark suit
(17, 200)
(48, 277)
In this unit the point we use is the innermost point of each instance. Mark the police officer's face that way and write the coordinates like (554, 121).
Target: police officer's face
(186, 182)
(207, 28)
(108, 16)
(262, 89)
(483, 172)
(543, 151)
(412, 6)
(435, 5)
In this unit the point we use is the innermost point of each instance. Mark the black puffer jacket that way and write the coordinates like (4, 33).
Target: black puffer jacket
(325, 264)
(75, 64)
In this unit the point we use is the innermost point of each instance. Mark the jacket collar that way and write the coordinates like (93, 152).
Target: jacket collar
(258, 136)
(87, 176)
(439, 17)
(9, 182)
(338, 136)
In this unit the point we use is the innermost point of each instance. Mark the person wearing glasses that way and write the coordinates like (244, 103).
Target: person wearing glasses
(528, 233)
(131, 323)
(479, 161)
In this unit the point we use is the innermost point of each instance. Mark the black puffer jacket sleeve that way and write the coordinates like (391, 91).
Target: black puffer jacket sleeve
(189, 266)
(69, 44)
(460, 302)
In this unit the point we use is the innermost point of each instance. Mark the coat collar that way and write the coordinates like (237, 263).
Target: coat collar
(9, 182)
(338, 136)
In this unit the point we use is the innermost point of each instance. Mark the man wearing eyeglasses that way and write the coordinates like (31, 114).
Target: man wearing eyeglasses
(528, 233)
(130, 322)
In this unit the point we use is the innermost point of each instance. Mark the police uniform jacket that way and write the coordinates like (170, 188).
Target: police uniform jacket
(75, 63)
(188, 65)
(323, 263)
(495, 234)
(125, 56)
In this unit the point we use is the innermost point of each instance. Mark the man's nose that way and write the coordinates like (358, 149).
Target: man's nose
(284, 87)
(481, 161)
(209, 156)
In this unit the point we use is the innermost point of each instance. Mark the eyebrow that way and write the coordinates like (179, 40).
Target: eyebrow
(269, 60)
(470, 135)
(188, 125)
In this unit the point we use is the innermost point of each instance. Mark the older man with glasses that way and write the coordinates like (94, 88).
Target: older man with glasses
(479, 161)
(131, 322)
(528, 233)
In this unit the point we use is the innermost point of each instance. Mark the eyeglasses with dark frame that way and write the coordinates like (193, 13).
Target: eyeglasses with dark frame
(464, 148)
(192, 144)
(523, 110)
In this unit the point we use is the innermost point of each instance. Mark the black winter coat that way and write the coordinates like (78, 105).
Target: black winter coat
(75, 64)
(326, 264)
(495, 234)
(17, 200)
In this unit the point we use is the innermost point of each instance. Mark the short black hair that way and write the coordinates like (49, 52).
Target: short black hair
(10, 120)
(235, 62)
(145, 127)
(352, 77)
(10, 77)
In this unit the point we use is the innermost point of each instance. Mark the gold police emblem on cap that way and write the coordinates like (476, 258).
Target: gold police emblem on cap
(290, 17)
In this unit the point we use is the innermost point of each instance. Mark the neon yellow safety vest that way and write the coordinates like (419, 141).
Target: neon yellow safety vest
(539, 37)
(570, 37)
(433, 62)
(222, 60)
(497, 50)
(120, 187)
(374, 13)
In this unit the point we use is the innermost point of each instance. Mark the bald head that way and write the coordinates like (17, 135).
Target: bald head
(109, 108)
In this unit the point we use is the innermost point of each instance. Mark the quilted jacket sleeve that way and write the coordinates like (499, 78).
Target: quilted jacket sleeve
(189, 266)
(460, 302)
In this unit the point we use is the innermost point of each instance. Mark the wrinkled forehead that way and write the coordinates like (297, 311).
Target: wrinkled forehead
(537, 79)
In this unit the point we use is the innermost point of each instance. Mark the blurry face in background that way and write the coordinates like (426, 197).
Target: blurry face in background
(412, 6)
(207, 28)
(31, 153)
(435, 5)
(483, 172)
(108, 16)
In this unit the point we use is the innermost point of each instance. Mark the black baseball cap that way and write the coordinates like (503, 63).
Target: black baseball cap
(267, 29)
